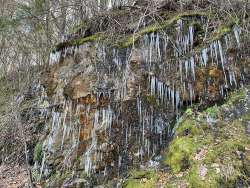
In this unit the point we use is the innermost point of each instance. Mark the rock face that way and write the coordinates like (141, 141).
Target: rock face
(205, 154)
(113, 106)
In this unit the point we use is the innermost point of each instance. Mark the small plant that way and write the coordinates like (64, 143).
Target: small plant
(38, 152)
(189, 112)
(212, 112)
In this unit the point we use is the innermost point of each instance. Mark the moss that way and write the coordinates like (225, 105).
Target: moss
(237, 96)
(193, 177)
(141, 179)
(180, 153)
(215, 35)
(129, 40)
(221, 31)
(188, 127)
(195, 180)
(223, 150)
(80, 41)
(212, 111)
(38, 152)
(189, 112)
(172, 18)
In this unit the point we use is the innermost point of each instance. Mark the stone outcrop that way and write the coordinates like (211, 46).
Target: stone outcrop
(113, 105)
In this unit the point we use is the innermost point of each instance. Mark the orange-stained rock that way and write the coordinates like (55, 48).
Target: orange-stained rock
(87, 100)
(215, 73)
(214, 92)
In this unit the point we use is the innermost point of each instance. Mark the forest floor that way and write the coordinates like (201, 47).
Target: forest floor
(13, 177)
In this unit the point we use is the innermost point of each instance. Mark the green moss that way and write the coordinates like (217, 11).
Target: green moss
(219, 153)
(215, 35)
(129, 40)
(237, 96)
(79, 41)
(193, 177)
(208, 181)
(221, 31)
(38, 152)
(188, 127)
(95, 37)
(141, 179)
(212, 112)
(172, 18)
(189, 112)
(180, 153)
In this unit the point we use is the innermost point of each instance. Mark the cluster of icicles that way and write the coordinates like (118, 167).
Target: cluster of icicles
(157, 48)
(65, 128)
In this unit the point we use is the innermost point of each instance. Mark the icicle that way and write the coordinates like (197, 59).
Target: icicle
(158, 46)
(204, 56)
(166, 39)
(186, 68)
(177, 101)
(98, 5)
(54, 58)
(180, 69)
(191, 36)
(221, 91)
(153, 85)
(237, 36)
(109, 6)
(119, 164)
(126, 135)
(192, 67)
(230, 78)
(222, 60)
(226, 41)
(151, 48)
(234, 78)
(172, 98)
(64, 127)
(190, 93)
(215, 52)
(42, 166)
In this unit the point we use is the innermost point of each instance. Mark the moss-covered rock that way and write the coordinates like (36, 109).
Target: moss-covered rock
(204, 156)
(217, 157)
(142, 179)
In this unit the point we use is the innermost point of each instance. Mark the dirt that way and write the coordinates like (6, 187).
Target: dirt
(13, 177)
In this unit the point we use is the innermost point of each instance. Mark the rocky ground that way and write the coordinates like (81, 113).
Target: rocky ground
(13, 177)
